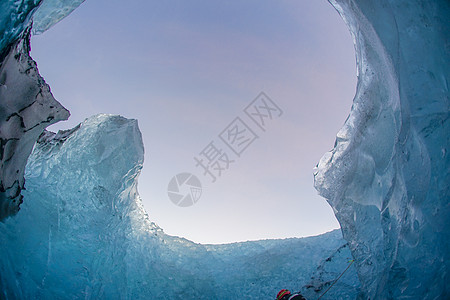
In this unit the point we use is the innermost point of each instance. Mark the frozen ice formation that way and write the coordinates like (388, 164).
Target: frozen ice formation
(387, 177)
(83, 233)
(51, 12)
(323, 281)
(14, 18)
(26, 103)
(26, 108)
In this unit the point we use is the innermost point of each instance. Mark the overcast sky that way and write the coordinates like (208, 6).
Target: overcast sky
(185, 70)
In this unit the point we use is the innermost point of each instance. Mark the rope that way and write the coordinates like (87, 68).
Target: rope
(350, 263)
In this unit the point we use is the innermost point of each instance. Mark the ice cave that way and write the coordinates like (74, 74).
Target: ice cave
(82, 231)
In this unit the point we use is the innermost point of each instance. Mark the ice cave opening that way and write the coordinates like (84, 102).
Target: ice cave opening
(83, 233)
(198, 66)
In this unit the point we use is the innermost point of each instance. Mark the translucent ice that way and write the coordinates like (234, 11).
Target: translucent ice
(15, 16)
(83, 233)
(51, 12)
(387, 177)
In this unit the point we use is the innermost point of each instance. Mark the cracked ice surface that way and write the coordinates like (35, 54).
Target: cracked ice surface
(26, 103)
(26, 108)
(387, 177)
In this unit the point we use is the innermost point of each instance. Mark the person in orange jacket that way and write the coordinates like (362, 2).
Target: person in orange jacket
(286, 295)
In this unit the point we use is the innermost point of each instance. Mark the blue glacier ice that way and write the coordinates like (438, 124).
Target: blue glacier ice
(83, 233)
(387, 177)
(51, 12)
(16, 15)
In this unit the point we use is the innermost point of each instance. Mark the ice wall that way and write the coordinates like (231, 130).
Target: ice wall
(14, 18)
(83, 233)
(323, 284)
(26, 108)
(387, 177)
(26, 103)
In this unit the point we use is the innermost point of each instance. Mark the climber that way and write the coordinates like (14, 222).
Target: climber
(286, 295)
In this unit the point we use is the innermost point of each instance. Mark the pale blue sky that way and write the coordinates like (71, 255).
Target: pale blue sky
(185, 69)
